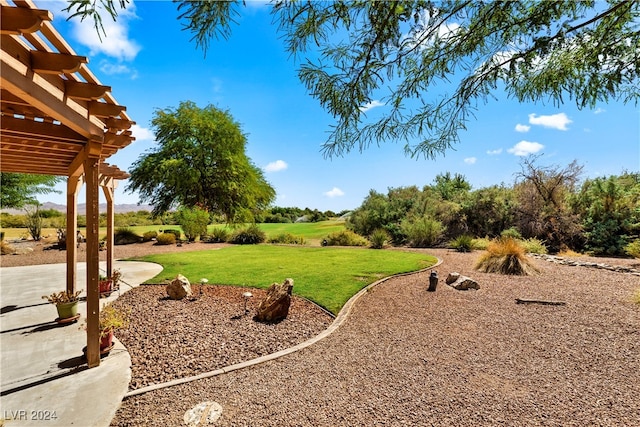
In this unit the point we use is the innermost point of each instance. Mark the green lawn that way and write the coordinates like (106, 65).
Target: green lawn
(313, 232)
(327, 276)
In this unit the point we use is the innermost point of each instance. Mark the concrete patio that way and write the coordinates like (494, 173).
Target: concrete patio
(44, 378)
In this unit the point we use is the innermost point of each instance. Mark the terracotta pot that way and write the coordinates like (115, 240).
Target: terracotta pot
(106, 340)
(105, 287)
(67, 310)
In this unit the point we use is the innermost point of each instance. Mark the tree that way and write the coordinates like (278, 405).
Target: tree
(543, 194)
(610, 212)
(400, 53)
(200, 161)
(20, 189)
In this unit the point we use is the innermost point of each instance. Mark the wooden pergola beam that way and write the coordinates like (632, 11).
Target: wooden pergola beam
(85, 91)
(19, 20)
(102, 109)
(55, 63)
(44, 96)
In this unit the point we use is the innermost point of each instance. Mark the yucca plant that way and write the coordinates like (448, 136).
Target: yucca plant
(463, 243)
(505, 256)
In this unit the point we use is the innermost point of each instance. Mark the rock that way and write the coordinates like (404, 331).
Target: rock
(275, 306)
(179, 287)
(461, 283)
(452, 277)
(202, 414)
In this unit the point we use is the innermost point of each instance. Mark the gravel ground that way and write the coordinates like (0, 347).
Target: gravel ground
(404, 356)
(207, 333)
(464, 358)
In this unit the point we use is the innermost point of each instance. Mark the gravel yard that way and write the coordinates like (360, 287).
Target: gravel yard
(404, 356)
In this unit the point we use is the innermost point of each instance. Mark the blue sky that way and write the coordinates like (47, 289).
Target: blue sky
(150, 63)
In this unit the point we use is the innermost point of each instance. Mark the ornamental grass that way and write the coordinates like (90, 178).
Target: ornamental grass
(506, 256)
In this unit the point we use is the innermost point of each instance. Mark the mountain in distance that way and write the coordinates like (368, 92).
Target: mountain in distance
(82, 208)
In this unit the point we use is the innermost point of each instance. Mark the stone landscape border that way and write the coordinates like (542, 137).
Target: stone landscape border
(577, 263)
(337, 322)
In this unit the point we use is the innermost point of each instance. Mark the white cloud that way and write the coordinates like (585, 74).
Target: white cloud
(524, 148)
(116, 42)
(111, 68)
(599, 111)
(522, 128)
(494, 152)
(470, 160)
(370, 105)
(277, 166)
(142, 134)
(334, 192)
(554, 121)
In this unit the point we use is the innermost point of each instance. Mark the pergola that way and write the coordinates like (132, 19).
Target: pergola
(58, 119)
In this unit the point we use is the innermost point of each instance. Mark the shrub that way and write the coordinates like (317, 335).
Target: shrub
(176, 233)
(252, 235)
(149, 235)
(193, 221)
(379, 237)
(511, 232)
(635, 298)
(423, 232)
(633, 248)
(534, 246)
(287, 239)
(505, 256)
(346, 238)
(125, 236)
(219, 235)
(481, 243)
(6, 248)
(166, 239)
(463, 243)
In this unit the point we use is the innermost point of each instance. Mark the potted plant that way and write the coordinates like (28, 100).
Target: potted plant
(111, 318)
(109, 284)
(66, 304)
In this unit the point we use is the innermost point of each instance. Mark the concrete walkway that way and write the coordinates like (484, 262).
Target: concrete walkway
(44, 379)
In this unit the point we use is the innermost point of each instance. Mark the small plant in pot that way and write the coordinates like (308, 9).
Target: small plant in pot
(109, 284)
(66, 304)
(111, 318)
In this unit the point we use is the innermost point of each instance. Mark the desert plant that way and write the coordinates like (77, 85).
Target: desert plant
(633, 248)
(481, 243)
(534, 246)
(505, 256)
(6, 248)
(423, 232)
(346, 238)
(287, 239)
(378, 238)
(462, 243)
(219, 235)
(252, 235)
(62, 297)
(166, 239)
(34, 223)
(112, 318)
(193, 221)
(125, 236)
(149, 235)
(176, 233)
(511, 232)
(635, 298)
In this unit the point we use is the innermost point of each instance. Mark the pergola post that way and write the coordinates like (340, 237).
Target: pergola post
(73, 184)
(108, 185)
(91, 173)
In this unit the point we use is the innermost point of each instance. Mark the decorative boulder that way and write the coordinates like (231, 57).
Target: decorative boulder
(275, 306)
(461, 283)
(179, 287)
